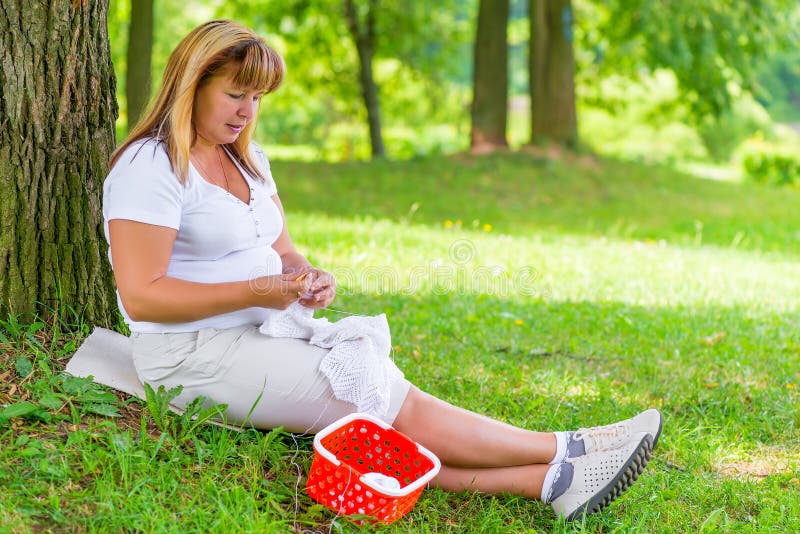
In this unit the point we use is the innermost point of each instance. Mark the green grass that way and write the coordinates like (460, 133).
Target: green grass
(599, 289)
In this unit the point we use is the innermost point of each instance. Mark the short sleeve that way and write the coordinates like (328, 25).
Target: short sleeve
(263, 164)
(142, 187)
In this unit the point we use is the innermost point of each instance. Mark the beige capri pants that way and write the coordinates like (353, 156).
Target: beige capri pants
(234, 366)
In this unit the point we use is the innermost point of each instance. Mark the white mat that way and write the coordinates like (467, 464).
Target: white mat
(106, 356)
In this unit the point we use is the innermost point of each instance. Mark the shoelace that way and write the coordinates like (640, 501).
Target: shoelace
(603, 436)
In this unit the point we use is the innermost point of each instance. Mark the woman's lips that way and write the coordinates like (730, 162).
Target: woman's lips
(234, 128)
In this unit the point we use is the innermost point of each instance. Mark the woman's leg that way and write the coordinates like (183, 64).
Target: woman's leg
(268, 382)
(461, 438)
(524, 480)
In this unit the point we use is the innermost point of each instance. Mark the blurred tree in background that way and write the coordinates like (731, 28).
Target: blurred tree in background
(490, 78)
(421, 63)
(712, 49)
(779, 85)
(552, 73)
(361, 23)
(654, 80)
(140, 49)
(343, 53)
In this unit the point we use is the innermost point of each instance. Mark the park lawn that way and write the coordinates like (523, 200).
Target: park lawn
(547, 294)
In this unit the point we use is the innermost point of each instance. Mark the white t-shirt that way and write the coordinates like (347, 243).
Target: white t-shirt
(220, 238)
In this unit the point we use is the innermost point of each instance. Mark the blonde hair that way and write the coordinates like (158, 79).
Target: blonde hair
(206, 52)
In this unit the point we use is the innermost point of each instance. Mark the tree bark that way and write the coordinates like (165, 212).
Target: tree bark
(490, 78)
(552, 73)
(364, 38)
(57, 113)
(140, 47)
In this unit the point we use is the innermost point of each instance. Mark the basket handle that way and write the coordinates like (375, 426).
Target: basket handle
(421, 481)
(424, 479)
(427, 477)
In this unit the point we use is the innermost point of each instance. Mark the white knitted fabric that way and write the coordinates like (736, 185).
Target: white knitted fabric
(357, 365)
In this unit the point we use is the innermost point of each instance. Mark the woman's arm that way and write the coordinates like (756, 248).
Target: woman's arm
(322, 287)
(140, 254)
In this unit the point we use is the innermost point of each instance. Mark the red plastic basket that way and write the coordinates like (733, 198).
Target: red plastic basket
(359, 444)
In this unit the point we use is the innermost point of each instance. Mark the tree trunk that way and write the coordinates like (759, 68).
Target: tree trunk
(490, 78)
(57, 113)
(552, 73)
(364, 38)
(140, 47)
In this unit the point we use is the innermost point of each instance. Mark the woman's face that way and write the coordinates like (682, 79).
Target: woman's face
(222, 110)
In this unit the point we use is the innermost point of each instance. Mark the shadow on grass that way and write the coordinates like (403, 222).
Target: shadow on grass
(722, 375)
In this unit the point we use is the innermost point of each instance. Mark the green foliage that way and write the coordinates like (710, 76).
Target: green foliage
(90, 397)
(519, 30)
(14, 332)
(23, 366)
(61, 398)
(648, 119)
(721, 135)
(423, 69)
(31, 354)
(183, 426)
(773, 166)
(414, 67)
(23, 409)
(640, 120)
(171, 22)
(119, 15)
(421, 66)
(708, 45)
(779, 86)
(665, 81)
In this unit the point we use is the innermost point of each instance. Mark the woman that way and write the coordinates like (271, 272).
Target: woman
(202, 256)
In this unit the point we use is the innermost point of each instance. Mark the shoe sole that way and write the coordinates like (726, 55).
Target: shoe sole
(660, 426)
(627, 475)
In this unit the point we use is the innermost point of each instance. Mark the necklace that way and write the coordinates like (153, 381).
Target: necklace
(221, 166)
(225, 174)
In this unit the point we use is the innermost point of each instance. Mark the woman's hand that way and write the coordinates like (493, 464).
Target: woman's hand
(279, 291)
(321, 287)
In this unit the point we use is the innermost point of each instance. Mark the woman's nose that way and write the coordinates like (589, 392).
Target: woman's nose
(248, 109)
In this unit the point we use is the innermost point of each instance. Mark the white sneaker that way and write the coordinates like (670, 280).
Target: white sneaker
(601, 438)
(600, 477)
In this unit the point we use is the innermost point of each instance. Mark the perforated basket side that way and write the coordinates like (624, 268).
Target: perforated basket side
(357, 445)
(339, 489)
(366, 447)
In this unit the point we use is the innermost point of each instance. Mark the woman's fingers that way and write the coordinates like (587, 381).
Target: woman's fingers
(320, 299)
(322, 280)
(314, 288)
(297, 276)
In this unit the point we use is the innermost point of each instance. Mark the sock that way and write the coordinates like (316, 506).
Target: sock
(561, 446)
(575, 447)
(556, 481)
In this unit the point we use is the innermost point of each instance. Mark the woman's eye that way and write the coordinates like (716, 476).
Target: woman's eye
(237, 96)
